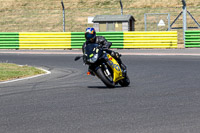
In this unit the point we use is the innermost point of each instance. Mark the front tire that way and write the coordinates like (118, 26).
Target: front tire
(104, 79)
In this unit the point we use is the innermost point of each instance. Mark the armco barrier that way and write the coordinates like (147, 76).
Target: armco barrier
(157, 39)
(44, 40)
(9, 40)
(68, 40)
(192, 39)
(78, 38)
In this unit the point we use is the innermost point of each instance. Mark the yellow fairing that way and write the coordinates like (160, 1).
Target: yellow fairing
(117, 72)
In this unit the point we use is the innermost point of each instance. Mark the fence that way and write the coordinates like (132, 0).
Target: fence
(68, 40)
(192, 39)
(44, 40)
(166, 39)
(9, 40)
(78, 38)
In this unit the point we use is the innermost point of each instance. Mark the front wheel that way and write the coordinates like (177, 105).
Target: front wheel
(104, 79)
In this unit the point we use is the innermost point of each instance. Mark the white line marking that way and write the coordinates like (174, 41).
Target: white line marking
(15, 80)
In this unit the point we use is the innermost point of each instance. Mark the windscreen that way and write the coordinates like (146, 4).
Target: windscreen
(90, 49)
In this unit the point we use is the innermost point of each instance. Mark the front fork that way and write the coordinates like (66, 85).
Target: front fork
(107, 72)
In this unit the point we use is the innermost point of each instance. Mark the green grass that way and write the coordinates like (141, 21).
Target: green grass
(10, 71)
(46, 15)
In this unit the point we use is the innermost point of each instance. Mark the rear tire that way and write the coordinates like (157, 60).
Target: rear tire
(124, 82)
(104, 79)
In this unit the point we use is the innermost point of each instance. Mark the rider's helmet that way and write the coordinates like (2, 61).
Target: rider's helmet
(90, 34)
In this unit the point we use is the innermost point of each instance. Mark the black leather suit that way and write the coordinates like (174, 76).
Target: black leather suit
(101, 41)
(106, 45)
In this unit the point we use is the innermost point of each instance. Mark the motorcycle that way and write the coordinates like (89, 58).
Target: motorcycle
(104, 66)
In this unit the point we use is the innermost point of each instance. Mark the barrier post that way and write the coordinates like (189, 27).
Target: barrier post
(63, 7)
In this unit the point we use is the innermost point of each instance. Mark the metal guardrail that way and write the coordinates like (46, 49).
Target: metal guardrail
(44, 40)
(152, 39)
(192, 39)
(73, 40)
(9, 40)
(78, 38)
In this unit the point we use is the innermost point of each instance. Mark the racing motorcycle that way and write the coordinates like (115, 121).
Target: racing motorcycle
(104, 66)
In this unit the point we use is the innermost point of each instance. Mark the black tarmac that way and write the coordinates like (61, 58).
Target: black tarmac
(163, 97)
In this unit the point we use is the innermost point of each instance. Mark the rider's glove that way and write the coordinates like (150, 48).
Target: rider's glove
(108, 44)
(104, 47)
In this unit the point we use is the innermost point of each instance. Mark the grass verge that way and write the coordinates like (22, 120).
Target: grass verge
(10, 71)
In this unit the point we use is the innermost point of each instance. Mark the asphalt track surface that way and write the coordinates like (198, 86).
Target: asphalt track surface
(163, 97)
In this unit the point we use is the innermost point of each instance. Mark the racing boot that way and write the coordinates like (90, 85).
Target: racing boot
(90, 72)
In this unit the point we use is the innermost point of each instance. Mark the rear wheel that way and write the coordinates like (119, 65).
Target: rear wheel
(106, 80)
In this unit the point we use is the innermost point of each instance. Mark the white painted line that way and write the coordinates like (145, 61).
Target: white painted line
(15, 80)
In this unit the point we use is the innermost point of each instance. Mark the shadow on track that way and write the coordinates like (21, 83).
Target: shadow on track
(104, 87)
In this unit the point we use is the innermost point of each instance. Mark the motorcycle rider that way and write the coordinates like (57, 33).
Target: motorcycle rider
(90, 36)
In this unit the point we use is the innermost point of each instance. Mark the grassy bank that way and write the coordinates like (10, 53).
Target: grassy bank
(12, 71)
(46, 15)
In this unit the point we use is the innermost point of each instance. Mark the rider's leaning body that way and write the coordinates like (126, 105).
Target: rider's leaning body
(90, 36)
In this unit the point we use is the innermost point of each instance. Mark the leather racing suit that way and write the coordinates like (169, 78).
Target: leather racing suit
(106, 45)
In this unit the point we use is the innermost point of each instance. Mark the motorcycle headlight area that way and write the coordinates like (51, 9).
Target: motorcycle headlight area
(93, 59)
